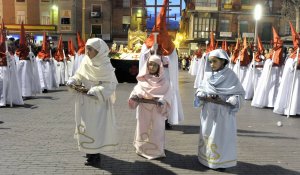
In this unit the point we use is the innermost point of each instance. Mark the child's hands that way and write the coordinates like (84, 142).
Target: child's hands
(71, 82)
(232, 100)
(201, 94)
(92, 92)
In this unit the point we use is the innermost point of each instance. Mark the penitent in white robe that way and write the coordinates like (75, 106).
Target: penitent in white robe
(268, 84)
(200, 71)
(10, 92)
(77, 61)
(47, 74)
(281, 105)
(95, 117)
(28, 76)
(250, 82)
(60, 72)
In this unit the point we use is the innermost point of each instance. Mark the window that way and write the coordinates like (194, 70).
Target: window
(126, 3)
(65, 21)
(203, 26)
(206, 3)
(245, 2)
(96, 11)
(224, 26)
(125, 23)
(20, 17)
(227, 1)
(45, 18)
(287, 28)
(267, 31)
(65, 17)
(96, 30)
(243, 27)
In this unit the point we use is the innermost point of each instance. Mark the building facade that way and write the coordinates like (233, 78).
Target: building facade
(232, 19)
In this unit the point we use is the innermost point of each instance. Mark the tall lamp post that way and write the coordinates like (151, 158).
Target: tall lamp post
(257, 15)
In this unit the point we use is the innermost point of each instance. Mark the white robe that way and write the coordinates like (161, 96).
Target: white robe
(267, 89)
(250, 82)
(194, 66)
(60, 72)
(217, 138)
(200, 71)
(281, 105)
(10, 92)
(240, 71)
(69, 70)
(77, 60)
(95, 118)
(171, 73)
(28, 76)
(47, 74)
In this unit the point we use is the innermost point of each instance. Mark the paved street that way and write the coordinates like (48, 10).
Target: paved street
(38, 139)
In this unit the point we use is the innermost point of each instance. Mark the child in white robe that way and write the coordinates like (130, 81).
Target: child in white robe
(218, 131)
(153, 86)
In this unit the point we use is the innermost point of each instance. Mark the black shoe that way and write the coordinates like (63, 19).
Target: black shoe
(221, 169)
(168, 125)
(45, 91)
(92, 160)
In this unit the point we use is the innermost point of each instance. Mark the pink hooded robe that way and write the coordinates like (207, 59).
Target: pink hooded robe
(149, 138)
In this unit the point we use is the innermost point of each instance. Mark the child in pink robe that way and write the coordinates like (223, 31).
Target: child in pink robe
(152, 98)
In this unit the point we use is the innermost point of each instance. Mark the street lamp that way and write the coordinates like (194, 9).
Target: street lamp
(257, 15)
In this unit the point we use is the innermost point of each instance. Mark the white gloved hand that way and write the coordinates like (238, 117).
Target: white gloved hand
(201, 94)
(232, 100)
(161, 102)
(92, 92)
(71, 81)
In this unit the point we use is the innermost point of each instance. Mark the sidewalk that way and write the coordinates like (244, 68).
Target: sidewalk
(38, 139)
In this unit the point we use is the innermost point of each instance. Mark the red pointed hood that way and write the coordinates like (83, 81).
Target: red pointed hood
(198, 53)
(277, 42)
(277, 49)
(23, 51)
(164, 41)
(236, 51)
(244, 57)
(59, 55)
(45, 52)
(81, 44)
(212, 45)
(2, 49)
(260, 50)
(295, 36)
(71, 48)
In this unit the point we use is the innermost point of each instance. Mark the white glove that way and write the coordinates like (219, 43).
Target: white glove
(92, 92)
(71, 81)
(161, 102)
(232, 100)
(201, 94)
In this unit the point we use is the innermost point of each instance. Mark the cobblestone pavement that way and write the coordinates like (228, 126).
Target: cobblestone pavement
(38, 139)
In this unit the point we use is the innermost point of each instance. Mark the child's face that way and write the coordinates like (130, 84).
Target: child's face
(153, 67)
(216, 63)
(91, 52)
